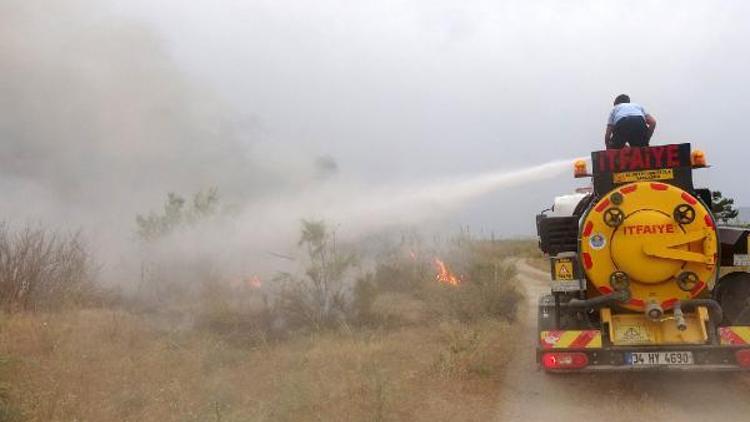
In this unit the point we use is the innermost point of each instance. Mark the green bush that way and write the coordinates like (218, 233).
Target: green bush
(177, 213)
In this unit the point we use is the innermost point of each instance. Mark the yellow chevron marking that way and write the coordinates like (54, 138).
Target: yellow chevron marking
(734, 335)
(565, 339)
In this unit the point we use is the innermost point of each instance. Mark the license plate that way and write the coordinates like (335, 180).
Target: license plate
(659, 358)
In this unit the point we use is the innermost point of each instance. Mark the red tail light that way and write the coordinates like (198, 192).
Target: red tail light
(743, 358)
(566, 360)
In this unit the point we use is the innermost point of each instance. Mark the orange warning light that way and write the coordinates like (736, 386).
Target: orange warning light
(698, 158)
(579, 169)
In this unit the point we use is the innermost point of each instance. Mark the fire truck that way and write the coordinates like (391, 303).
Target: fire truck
(642, 276)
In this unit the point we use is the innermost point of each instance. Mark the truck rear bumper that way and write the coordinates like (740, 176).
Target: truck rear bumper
(619, 358)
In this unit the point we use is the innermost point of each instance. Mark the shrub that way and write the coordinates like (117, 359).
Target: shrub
(488, 292)
(240, 316)
(319, 299)
(476, 349)
(380, 295)
(40, 268)
(177, 213)
(387, 296)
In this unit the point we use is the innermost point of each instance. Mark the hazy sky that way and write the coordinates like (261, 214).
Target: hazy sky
(397, 89)
(414, 86)
(178, 95)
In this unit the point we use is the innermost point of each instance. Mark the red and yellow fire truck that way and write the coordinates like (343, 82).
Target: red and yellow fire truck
(643, 277)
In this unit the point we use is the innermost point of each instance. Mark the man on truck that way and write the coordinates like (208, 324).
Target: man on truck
(628, 123)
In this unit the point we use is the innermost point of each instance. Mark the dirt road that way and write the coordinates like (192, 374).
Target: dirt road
(531, 395)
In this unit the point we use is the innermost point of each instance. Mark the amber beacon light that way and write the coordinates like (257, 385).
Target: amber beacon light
(579, 169)
(698, 158)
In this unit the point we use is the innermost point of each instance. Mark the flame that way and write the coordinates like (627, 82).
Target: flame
(254, 282)
(444, 275)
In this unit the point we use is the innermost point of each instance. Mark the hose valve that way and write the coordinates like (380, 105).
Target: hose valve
(679, 317)
(654, 311)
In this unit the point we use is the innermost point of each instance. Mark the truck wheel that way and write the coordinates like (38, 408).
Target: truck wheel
(733, 294)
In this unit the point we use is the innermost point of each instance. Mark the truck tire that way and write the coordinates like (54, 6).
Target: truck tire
(733, 294)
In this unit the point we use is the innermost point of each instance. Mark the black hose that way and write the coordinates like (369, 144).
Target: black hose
(618, 296)
(712, 305)
(713, 308)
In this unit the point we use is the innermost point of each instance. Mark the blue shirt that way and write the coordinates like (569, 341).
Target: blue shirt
(625, 110)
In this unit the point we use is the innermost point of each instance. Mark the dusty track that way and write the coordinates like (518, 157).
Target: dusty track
(530, 395)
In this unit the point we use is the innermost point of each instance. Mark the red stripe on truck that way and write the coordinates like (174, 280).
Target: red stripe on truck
(629, 189)
(730, 336)
(698, 287)
(589, 227)
(551, 339)
(583, 339)
(667, 304)
(601, 207)
(636, 302)
(689, 198)
(587, 262)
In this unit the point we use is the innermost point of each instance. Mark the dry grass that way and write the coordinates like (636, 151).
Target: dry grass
(111, 366)
(540, 263)
(402, 347)
(524, 248)
(487, 290)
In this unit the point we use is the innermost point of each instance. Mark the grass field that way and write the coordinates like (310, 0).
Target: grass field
(411, 348)
(106, 366)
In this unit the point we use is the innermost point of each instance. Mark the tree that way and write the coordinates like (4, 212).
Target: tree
(318, 299)
(177, 213)
(723, 208)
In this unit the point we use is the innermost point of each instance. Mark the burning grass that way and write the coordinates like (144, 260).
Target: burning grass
(475, 283)
(444, 275)
(401, 345)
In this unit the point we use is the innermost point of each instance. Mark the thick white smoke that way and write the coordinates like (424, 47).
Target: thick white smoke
(98, 124)
(246, 242)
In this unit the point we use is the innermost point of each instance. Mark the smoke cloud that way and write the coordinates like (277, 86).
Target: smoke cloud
(98, 124)
(360, 114)
(97, 121)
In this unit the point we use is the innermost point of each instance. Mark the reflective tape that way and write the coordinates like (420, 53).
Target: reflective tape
(571, 339)
(734, 336)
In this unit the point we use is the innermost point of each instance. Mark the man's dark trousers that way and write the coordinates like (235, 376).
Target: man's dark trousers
(631, 130)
